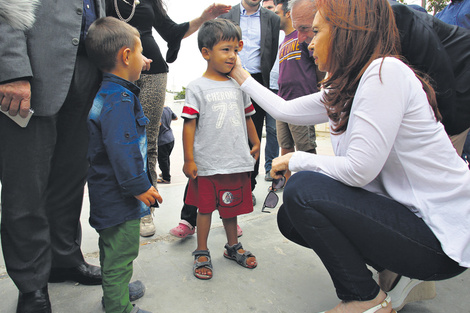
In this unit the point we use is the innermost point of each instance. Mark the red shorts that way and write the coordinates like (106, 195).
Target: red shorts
(229, 193)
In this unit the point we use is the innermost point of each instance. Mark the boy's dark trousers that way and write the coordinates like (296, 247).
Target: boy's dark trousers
(119, 247)
(164, 152)
(188, 212)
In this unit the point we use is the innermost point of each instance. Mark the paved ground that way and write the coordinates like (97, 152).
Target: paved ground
(289, 278)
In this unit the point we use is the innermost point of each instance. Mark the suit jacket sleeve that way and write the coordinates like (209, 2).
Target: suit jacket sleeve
(424, 51)
(270, 24)
(275, 40)
(47, 52)
(15, 62)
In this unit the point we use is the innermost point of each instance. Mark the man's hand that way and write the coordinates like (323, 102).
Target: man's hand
(15, 97)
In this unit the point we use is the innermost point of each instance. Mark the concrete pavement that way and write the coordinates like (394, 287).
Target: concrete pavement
(288, 279)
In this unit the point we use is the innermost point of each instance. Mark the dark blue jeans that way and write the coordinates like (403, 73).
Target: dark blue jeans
(164, 152)
(271, 151)
(350, 227)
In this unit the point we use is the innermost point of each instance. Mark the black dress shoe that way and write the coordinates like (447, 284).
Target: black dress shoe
(34, 302)
(84, 274)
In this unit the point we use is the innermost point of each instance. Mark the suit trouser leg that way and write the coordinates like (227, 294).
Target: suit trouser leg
(164, 152)
(69, 167)
(459, 141)
(188, 212)
(466, 149)
(25, 159)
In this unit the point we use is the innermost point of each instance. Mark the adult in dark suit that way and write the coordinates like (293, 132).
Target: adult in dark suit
(43, 166)
(270, 24)
(442, 51)
(268, 46)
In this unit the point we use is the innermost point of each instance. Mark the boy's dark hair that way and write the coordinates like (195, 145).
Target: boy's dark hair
(105, 37)
(285, 5)
(214, 31)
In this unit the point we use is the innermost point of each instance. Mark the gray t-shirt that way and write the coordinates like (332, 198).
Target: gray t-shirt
(221, 138)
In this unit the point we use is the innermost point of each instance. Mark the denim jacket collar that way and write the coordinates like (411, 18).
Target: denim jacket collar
(121, 81)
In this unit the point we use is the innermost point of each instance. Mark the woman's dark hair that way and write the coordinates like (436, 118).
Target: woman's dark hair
(361, 32)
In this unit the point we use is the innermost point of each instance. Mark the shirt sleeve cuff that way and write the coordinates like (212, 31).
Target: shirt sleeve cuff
(137, 185)
(301, 161)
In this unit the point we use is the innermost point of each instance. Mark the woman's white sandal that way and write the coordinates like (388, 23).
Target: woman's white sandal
(384, 304)
(409, 290)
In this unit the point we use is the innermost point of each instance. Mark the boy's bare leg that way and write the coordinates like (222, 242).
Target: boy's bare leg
(230, 225)
(203, 223)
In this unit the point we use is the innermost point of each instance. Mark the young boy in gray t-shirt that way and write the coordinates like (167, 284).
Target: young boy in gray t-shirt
(217, 157)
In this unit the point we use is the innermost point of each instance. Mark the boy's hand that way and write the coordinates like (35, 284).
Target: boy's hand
(150, 197)
(255, 151)
(190, 169)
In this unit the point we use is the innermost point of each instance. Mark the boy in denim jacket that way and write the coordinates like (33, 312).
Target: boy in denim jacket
(119, 185)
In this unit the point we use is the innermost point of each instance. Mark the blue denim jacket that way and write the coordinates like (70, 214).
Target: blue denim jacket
(117, 153)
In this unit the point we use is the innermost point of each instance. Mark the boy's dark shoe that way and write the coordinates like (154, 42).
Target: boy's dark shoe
(137, 310)
(254, 199)
(34, 302)
(163, 181)
(85, 274)
(136, 291)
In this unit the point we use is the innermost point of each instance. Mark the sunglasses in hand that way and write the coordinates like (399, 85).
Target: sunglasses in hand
(272, 198)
